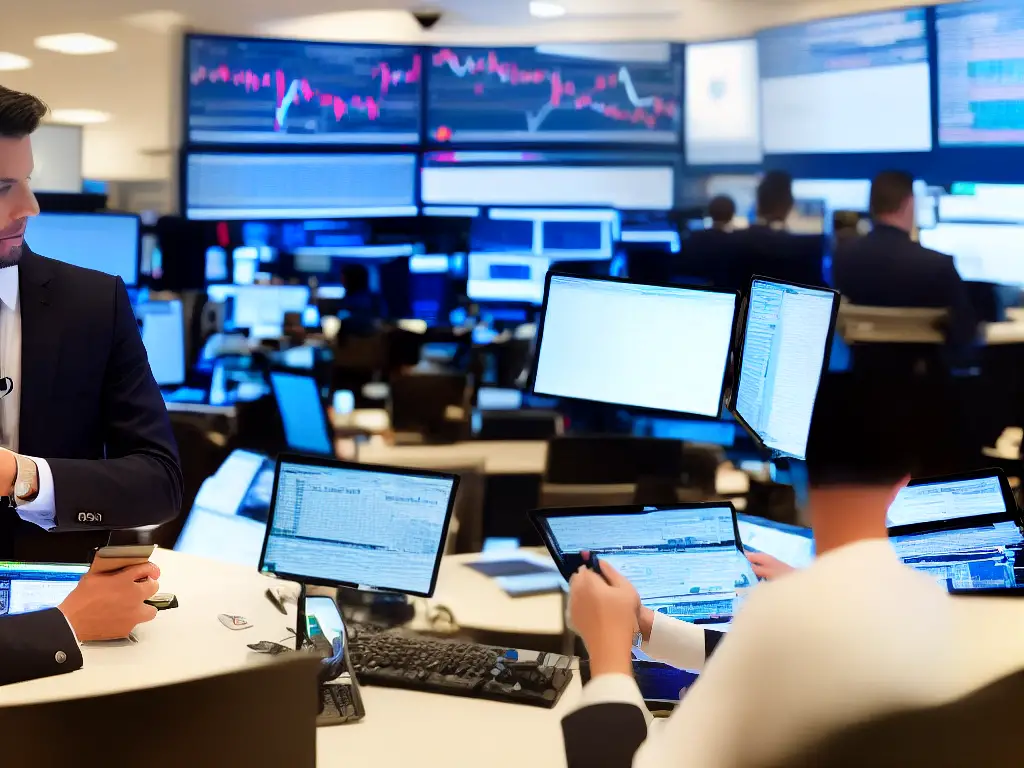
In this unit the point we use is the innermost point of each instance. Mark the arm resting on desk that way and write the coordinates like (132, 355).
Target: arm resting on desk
(33, 644)
(139, 482)
(680, 644)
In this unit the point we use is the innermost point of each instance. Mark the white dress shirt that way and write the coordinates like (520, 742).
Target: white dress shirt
(855, 635)
(43, 510)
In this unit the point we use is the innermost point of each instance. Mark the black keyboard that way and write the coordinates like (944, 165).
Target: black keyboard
(398, 660)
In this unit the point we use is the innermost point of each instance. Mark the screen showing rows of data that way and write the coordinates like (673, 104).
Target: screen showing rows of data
(981, 73)
(786, 340)
(723, 112)
(601, 92)
(791, 544)
(106, 242)
(984, 557)
(358, 526)
(856, 84)
(244, 91)
(945, 501)
(27, 587)
(635, 345)
(685, 563)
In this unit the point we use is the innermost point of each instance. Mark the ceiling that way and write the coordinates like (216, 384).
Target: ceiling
(137, 84)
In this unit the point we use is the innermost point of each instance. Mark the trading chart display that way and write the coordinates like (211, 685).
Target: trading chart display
(568, 93)
(245, 91)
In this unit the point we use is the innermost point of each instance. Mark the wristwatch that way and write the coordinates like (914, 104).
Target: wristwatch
(26, 483)
(638, 639)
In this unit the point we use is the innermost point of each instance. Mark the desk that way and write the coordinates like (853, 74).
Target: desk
(401, 728)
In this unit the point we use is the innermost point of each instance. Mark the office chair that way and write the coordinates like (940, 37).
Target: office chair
(433, 406)
(517, 425)
(967, 731)
(260, 716)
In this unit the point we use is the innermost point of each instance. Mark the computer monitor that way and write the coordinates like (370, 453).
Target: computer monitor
(605, 340)
(836, 194)
(787, 341)
(723, 115)
(987, 556)
(306, 428)
(791, 544)
(947, 499)
(847, 85)
(108, 242)
(27, 587)
(261, 308)
(685, 560)
(988, 253)
(339, 524)
(228, 519)
(506, 278)
(163, 333)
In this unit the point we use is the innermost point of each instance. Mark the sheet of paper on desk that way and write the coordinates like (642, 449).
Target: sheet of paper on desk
(520, 574)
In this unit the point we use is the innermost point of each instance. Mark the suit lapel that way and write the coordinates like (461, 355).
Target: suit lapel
(40, 348)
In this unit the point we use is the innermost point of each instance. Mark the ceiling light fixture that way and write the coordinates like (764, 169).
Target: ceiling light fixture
(12, 61)
(79, 116)
(541, 9)
(76, 44)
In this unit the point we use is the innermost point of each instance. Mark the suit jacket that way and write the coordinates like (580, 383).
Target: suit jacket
(767, 252)
(36, 645)
(888, 269)
(91, 407)
(705, 255)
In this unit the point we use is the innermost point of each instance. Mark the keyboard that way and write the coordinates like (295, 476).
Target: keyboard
(397, 660)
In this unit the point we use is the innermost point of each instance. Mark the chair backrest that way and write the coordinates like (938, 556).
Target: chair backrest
(891, 325)
(262, 716)
(980, 727)
(517, 425)
(611, 459)
(553, 495)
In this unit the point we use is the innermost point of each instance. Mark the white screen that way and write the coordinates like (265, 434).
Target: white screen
(857, 84)
(635, 345)
(103, 241)
(787, 336)
(992, 253)
(505, 277)
(723, 122)
(163, 334)
(938, 502)
(57, 152)
(837, 194)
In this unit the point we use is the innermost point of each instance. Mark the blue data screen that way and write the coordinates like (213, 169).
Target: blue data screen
(985, 557)
(856, 84)
(243, 91)
(358, 526)
(27, 587)
(685, 563)
(556, 93)
(302, 414)
(981, 73)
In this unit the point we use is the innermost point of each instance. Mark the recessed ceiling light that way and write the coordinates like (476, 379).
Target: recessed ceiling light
(12, 61)
(542, 9)
(79, 116)
(76, 44)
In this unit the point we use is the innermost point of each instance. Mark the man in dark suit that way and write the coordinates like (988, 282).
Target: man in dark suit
(104, 606)
(86, 441)
(888, 269)
(704, 254)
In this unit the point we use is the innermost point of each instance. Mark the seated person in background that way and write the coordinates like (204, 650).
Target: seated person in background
(721, 211)
(888, 269)
(104, 606)
(767, 249)
(362, 310)
(854, 635)
(704, 253)
(80, 394)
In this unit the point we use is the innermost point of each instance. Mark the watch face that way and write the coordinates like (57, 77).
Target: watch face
(22, 489)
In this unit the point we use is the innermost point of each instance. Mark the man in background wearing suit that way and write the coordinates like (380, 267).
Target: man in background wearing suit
(86, 440)
(888, 269)
(104, 606)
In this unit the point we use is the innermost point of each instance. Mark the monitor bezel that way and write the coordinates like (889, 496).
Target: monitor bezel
(328, 425)
(316, 461)
(539, 518)
(541, 322)
(105, 214)
(738, 358)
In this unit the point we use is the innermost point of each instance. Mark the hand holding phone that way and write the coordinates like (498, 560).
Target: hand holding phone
(110, 559)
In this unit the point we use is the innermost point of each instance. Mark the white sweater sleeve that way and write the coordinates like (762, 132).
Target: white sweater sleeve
(677, 643)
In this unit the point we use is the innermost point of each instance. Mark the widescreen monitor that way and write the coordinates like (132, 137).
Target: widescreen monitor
(633, 344)
(787, 340)
(969, 558)
(339, 524)
(274, 92)
(260, 308)
(557, 93)
(948, 499)
(723, 114)
(27, 587)
(162, 325)
(849, 85)
(506, 278)
(108, 242)
(989, 253)
(238, 186)
(979, 66)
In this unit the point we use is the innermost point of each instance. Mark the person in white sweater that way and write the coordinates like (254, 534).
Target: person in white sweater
(855, 635)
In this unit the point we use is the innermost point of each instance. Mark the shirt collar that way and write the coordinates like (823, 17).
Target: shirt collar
(9, 286)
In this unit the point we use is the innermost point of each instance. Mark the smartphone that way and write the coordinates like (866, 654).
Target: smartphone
(110, 559)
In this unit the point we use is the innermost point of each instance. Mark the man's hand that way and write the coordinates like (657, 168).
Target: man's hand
(604, 614)
(108, 606)
(768, 567)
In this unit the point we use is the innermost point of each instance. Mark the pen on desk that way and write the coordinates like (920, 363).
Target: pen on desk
(276, 601)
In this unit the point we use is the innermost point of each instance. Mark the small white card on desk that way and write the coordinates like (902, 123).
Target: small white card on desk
(234, 622)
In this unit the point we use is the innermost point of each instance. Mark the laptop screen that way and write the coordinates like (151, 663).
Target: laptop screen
(982, 557)
(792, 544)
(685, 562)
(27, 587)
(302, 413)
(945, 500)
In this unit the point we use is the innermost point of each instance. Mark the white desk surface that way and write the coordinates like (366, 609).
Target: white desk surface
(401, 727)
(1008, 332)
